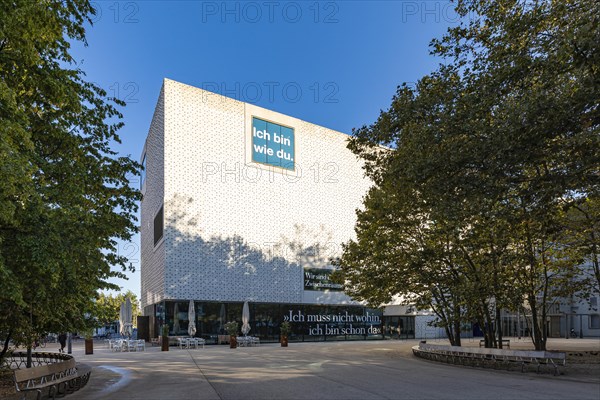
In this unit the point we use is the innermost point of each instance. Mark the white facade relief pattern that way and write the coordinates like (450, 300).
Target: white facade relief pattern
(236, 230)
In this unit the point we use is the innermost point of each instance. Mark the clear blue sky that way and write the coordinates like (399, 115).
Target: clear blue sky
(333, 63)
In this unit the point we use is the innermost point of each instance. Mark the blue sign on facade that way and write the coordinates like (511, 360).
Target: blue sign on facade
(272, 144)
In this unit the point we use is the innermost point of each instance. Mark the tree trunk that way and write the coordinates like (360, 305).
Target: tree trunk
(535, 325)
(449, 334)
(487, 325)
(499, 326)
(456, 323)
(29, 359)
(457, 332)
(5, 348)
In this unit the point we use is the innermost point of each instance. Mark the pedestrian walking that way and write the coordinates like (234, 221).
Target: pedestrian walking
(62, 339)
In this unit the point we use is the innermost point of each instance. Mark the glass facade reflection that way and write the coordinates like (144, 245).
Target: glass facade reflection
(399, 327)
(309, 323)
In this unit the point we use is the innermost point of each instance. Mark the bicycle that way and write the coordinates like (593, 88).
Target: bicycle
(573, 333)
(40, 342)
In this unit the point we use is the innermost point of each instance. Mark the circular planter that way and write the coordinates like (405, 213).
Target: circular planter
(232, 342)
(284, 341)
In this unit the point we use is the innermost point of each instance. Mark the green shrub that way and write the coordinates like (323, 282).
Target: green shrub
(232, 328)
(285, 328)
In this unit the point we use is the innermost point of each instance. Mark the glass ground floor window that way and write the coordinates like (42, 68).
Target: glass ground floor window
(399, 327)
(308, 322)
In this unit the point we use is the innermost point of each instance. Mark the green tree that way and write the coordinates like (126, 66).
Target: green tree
(582, 220)
(108, 306)
(535, 66)
(435, 246)
(486, 155)
(65, 200)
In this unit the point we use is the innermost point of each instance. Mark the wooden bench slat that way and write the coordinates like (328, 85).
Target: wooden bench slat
(43, 376)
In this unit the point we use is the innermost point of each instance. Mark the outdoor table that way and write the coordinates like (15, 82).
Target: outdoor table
(183, 343)
(117, 345)
(247, 341)
(189, 342)
(140, 345)
(125, 345)
(222, 339)
(131, 345)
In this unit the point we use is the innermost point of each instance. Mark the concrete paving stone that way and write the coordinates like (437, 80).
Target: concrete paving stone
(323, 370)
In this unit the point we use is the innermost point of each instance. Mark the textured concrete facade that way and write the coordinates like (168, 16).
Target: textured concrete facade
(153, 258)
(237, 230)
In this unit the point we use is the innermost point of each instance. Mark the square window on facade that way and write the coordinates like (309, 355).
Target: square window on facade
(594, 321)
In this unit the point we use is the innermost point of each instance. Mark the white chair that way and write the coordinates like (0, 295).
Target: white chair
(117, 345)
(130, 345)
(140, 345)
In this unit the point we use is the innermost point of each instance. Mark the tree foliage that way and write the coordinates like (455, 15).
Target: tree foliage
(107, 307)
(64, 193)
(485, 162)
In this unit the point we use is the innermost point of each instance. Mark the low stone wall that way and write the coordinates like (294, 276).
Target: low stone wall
(496, 358)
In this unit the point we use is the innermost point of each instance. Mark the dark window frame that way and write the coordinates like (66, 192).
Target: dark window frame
(594, 321)
(143, 172)
(159, 228)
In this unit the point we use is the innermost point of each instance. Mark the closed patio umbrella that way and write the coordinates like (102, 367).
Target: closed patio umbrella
(122, 319)
(176, 319)
(128, 317)
(192, 319)
(221, 318)
(245, 319)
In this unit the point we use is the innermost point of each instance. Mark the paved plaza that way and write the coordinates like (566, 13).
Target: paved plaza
(330, 370)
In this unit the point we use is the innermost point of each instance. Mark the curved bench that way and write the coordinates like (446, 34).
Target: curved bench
(494, 357)
(57, 372)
